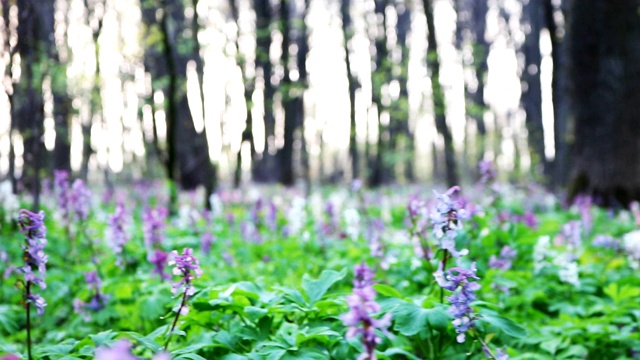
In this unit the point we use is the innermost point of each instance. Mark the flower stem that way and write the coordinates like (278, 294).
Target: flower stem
(175, 321)
(28, 290)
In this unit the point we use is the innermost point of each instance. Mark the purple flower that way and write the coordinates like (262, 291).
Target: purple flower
(205, 242)
(446, 219)
(362, 306)
(503, 262)
(606, 241)
(80, 200)
(35, 259)
(61, 188)
(159, 260)
(98, 300)
(459, 279)
(187, 267)
(154, 225)
(118, 235)
(121, 350)
(487, 171)
(37, 301)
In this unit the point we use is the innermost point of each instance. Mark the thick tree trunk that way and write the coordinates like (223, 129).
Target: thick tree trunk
(262, 164)
(532, 91)
(353, 86)
(433, 63)
(605, 60)
(285, 154)
(28, 96)
(560, 93)
(379, 171)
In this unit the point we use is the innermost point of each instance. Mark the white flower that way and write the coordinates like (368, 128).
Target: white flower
(632, 247)
(217, 207)
(297, 215)
(540, 252)
(352, 223)
(567, 270)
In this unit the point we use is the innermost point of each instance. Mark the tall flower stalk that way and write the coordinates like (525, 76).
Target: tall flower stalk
(362, 306)
(35, 260)
(187, 267)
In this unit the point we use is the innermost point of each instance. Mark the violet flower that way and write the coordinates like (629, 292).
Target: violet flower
(503, 262)
(61, 189)
(362, 306)
(447, 219)
(98, 300)
(154, 225)
(35, 259)
(80, 200)
(117, 233)
(158, 259)
(187, 267)
(487, 171)
(121, 350)
(459, 279)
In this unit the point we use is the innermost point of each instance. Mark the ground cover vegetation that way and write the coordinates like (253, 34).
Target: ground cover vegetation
(487, 271)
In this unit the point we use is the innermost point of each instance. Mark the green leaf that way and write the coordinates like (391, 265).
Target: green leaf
(315, 289)
(102, 338)
(145, 341)
(409, 318)
(386, 290)
(391, 352)
(189, 356)
(506, 325)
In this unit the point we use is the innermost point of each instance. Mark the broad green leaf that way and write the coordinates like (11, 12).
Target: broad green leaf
(409, 318)
(315, 289)
(103, 338)
(509, 327)
(386, 290)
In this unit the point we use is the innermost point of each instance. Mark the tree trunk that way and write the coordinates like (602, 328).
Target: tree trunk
(560, 92)
(433, 63)
(605, 59)
(347, 31)
(262, 164)
(379, 172)
(532, 92)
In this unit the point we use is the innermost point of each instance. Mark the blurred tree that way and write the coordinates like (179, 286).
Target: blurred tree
(604, 39)
(248, 79)
(187, 154)
(556, 20)
(95, 19)
(380, 172)
(35, 21)
(262, 164)
(62, 108)
(347, 33)
(532, 88)
(8, 82)
(433, 64)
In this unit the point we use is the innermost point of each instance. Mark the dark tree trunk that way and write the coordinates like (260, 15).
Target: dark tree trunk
(532, 91)
(605, 59)
(28, 98)
(379, 171)
(262, 164)
(302, 38)
(248, 93)
(401, 132)
(285, 154)
(347, 31)
(433, 63)
(9, 75)
(480, 54)
(560, 93)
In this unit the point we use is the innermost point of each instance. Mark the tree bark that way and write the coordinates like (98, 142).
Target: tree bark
(605, 62)
(532, 92)
(347, 31)
(433, 63)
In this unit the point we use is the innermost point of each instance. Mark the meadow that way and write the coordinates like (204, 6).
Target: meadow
(488, 270)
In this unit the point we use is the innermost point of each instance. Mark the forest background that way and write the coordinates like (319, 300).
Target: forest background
(211, 93)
